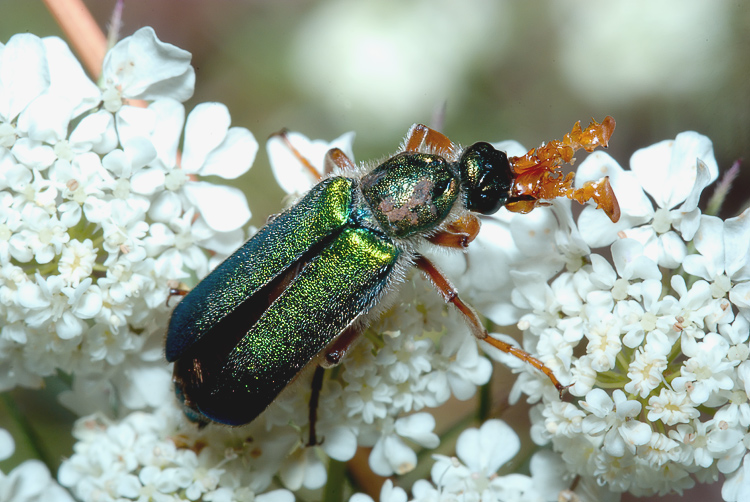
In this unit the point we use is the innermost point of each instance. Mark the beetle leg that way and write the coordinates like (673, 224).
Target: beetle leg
(337, 349)
(333, 355)
(317, 385)
(421, 138)
(284, 136)
(336, 158)
(450, 295)
(458, 234)
(176, 289)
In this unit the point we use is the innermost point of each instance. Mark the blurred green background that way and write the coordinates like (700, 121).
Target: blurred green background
(504, 70)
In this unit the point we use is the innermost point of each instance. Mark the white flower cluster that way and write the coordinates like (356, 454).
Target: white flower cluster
(655, 347)
(472, 474)
(165, 454)
(96, 218)
(160, 456)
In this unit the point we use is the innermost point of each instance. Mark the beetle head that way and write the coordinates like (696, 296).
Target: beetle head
(486, 178)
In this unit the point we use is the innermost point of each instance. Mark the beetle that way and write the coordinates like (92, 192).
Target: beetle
(306, 284)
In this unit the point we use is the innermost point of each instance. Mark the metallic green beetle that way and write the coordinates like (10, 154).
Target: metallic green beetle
(323, 267)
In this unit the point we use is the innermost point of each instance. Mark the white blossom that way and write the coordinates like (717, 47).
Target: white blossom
(81, 174)
(659, 341)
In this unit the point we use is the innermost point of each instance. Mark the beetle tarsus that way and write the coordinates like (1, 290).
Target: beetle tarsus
(528, 359)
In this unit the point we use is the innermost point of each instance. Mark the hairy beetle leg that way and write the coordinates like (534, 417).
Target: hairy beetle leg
(333, 356)
(421, 138)
(459, 234)
(450, 295)
(336, 351)
(335, 158)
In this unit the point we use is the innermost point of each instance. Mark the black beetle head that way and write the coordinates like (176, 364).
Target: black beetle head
(486, 178)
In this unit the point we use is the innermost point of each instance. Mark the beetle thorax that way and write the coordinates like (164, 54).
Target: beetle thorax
(410, 193)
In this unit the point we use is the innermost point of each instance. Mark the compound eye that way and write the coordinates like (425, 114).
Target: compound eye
(486, 178)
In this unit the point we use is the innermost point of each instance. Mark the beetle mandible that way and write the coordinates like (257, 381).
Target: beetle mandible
(306, 284)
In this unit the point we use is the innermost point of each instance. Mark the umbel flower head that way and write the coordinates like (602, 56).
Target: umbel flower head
(96, 217)
(656, 346)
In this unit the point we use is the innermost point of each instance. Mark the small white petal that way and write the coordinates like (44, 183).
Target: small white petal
(486, 449)
(604, 275)
(703, 177)
(166, 207)
(340, 443)
(630, 261)
(736, 244)
(418, 427)
(68, 77)
(391, 455)
(709, 242)
(736, 488)
(275, 496)
(144, 67)
(7, 446)
(205, 129)
(30, 296)
(673, 250)
(135, 122)
(170, 117)
(33, 154)
(24, 74)
(147, 181)
(224, 208)
(95, 132)
(668, 170)
(596, 228)
(233, 157)
(598, 402)
(46, 118)
(139, 150)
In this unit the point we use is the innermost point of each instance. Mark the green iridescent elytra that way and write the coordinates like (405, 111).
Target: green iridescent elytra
(259, 346)
(320, 267)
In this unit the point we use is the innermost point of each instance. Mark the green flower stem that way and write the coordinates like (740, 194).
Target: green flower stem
(609, 385)
(29, 433)
(334, 489)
